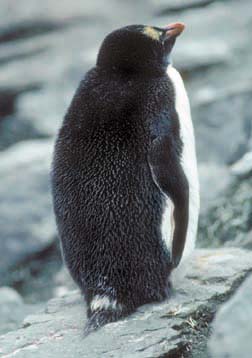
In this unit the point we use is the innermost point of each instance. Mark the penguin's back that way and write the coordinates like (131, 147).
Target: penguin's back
(108, 208)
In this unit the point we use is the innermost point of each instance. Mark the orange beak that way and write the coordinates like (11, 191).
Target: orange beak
(174, 29)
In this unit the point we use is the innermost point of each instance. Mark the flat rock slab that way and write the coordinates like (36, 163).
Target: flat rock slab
(154, 330)
(13, 309)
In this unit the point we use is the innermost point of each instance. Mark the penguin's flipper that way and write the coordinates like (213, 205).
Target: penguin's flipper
(169, 176)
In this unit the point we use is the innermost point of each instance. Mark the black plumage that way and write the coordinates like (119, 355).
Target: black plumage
(116, 157)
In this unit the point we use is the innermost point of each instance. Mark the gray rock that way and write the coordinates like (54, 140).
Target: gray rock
(15, 129)
(193, 56)
(211, 187)
(35, 276)
(229, 218)
(232, 327)
(243, 167)
(57, 45)
(67, 35)
(26, 217)
(20, 13)
(164, 7)
(214, 57)
(12, 309)
(199, 48)
(171, 328)
(63, 283)
(242, 240)
(206, 32)
(213, 131)
(53, 46)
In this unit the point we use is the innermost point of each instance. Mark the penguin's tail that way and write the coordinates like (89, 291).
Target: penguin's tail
(100, 318)
(102, 311)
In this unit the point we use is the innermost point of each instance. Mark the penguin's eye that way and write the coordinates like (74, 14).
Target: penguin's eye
(152, 33)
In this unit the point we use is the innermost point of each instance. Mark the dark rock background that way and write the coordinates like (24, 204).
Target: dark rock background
(45, 49)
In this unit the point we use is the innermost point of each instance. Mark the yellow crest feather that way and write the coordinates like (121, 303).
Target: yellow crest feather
(149, 31)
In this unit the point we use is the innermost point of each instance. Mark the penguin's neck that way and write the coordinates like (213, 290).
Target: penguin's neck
(149, 70)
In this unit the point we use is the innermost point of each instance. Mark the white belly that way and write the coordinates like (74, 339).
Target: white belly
(189, 164)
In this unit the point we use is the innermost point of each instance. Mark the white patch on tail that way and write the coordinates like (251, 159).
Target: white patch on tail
(189, 164)
(103, 302)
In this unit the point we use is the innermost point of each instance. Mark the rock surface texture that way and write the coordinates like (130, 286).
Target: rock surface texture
(13, 309)
(229, 222)
(232, 330)
(45, 49)
(26, 217)
(169, 329)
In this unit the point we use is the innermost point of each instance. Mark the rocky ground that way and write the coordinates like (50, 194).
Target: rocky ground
(171, 329)
(45, 48)
(237, 312)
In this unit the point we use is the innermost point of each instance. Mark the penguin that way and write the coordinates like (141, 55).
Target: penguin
(124, 175)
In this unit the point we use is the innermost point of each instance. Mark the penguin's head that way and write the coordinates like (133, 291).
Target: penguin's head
(139, 48)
